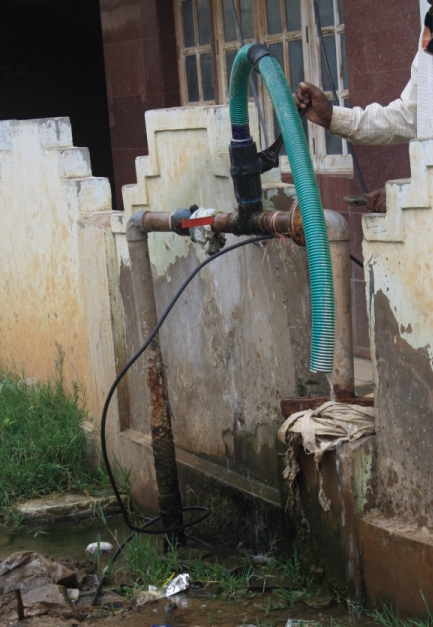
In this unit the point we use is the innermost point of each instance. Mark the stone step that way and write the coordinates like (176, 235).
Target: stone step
(67, 506)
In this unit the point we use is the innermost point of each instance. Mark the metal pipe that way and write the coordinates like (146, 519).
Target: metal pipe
(170, 504)
(339, 244)
(238, 223)
(290, 223)
(283, 222)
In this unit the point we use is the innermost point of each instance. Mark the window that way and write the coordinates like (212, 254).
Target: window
(208, 43)
(197, 62)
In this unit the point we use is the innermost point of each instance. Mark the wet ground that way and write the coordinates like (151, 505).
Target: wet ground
(200, 607)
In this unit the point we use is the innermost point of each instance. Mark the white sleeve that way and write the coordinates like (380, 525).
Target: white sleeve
(377, 125)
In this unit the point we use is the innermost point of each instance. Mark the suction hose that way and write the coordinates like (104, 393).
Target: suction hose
(319, 259)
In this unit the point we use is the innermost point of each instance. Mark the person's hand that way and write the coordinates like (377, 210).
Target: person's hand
(312, 102)
(376, 201)
(425, 43)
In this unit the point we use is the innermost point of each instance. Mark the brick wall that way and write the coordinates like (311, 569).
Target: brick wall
(141, 73)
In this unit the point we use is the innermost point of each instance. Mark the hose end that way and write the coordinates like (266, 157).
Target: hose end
(257, 52)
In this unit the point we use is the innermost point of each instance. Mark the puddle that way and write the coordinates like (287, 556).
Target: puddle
(187, 611)
(194, 608)
(67, 539)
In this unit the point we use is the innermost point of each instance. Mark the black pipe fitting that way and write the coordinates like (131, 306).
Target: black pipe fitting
(177, 217)
(245, 172)
(257, 52)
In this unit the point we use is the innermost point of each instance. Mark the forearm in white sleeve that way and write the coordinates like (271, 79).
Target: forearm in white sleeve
(377, 125)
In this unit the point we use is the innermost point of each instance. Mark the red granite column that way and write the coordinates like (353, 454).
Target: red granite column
(382, 39)
(141, 73)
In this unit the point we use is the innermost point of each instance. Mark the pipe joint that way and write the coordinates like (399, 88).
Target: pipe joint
(257, 52)
(245, 172)
(134, 228)
(337, 226)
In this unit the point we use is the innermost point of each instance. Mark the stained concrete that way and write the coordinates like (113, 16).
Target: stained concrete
(405, 420)
(398, 248)
(398, 564)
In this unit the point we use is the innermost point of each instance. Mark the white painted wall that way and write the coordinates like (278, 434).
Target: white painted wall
(235, 345)
(45, 184)
(398, 251)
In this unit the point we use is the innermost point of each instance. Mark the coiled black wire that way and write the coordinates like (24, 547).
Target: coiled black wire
(205, 510)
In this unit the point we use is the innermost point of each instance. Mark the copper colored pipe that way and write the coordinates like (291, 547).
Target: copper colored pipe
(289, 223)
(169, 500)
(271, 222)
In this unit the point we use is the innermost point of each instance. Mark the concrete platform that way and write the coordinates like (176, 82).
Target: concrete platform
(397, 561)
(67, 506)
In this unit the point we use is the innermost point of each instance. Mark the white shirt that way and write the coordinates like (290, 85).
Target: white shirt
(402, 120)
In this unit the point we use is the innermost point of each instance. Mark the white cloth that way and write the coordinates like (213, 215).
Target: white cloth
(323, 429)
(402, 120)
(203, 235)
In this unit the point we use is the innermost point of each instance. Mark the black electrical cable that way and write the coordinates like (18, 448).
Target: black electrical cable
(355, 260)
(124, 370)
(334, 93)
(252, 83)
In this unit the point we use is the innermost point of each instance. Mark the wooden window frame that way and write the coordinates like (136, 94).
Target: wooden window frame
(323, 162)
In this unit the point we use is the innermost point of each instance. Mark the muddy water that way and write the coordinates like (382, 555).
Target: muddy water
(194, 608)
(265, 611)
(62, 540)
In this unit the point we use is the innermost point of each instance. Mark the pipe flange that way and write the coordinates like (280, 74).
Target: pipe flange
(295, 225)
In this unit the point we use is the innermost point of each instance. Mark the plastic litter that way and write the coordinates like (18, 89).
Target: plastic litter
(178, 584)
(73, 594)
(153, 593)
(99, 548)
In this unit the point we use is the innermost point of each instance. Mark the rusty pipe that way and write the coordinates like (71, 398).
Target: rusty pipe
(169, 500)
(339, 245)
(289, 223)
(238, 223)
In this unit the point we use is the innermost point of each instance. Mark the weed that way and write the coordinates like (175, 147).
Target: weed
(388, 617)
(146, 561)
(42, 443)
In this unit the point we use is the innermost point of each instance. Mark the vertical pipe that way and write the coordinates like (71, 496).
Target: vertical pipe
(170, 505)
(339, 245)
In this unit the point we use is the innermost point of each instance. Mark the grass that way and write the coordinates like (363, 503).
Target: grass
(388, 617)
(148, 564)
(42, 443)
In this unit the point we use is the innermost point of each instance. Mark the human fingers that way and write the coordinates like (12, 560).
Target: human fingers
(302, 97)
(376, 201)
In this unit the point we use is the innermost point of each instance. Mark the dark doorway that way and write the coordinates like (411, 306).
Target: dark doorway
(51, 65)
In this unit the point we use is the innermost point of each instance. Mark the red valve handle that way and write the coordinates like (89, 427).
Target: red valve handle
(189, 224)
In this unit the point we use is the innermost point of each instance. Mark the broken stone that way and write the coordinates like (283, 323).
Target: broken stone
(27, 570)
(65, 506)
(52, 599)
(112, 599)
(318, 602)
(272, 579)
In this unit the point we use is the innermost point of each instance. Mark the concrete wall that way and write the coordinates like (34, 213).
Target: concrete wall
(398, 249)
(235, 345)
(45, 183)
(238, 341)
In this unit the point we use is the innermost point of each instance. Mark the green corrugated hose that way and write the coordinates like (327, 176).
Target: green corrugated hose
(319, 259)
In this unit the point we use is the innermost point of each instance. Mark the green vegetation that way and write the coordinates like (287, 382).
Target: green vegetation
(147, 564)
(388, 617)
(42, 443)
